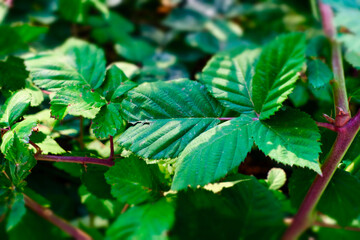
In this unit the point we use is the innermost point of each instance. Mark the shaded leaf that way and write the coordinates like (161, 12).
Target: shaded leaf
(152, 220)
(13, 73)
(319, 73)
(17, 211)
(131, 181)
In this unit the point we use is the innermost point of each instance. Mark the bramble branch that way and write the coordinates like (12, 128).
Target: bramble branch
(47, 214)
(72, 159)
(344, 125)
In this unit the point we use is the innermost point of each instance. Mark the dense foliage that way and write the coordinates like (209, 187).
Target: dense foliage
(172, 119)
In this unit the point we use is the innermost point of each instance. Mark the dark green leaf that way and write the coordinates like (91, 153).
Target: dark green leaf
(259, 212)
(13, 73)
(132, 181)
(93, 178)
(17, 211)
(319, 73)
(152, 220)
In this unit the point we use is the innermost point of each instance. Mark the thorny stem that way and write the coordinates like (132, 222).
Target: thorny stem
(327, 125)
(56, 220)
(82, 160)
(304, 217)
(338, 84)
(344, 125)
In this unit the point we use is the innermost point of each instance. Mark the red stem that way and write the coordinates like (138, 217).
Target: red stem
(56, 220)
(329, 126)
(225, 118)
(303, 219)
(73, 159)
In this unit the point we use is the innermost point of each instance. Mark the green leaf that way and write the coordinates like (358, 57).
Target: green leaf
(107, 29)
(13, 73)
(101, 207)
(331, 233)
(87, 59)
(75, 62)
(21, 160)
(77, 101)
(10, 41)
(22, 129)
(18, 210)
(214, 153)
(340, 198)
(133, 49)
(95, 181)
(229, 79)
(14, 108)
(29, 33)
(132, 181)
(185, 20)
(108, 121)
(260, 213)
(169, 115)
(319, 73)
(290, 137)
(276, 178)
(353, 58)
(276, 72)
(74, 10)
(201, 214)
(152, 220)
(162, 139)
(117, 83)
(46, 143)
